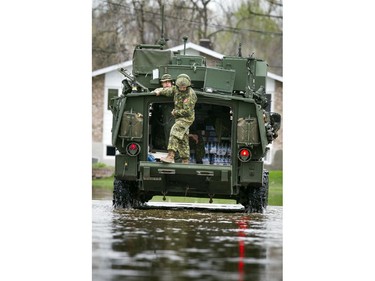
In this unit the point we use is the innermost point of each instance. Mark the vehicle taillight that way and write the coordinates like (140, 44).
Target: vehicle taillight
(133, 149)
(244, 154)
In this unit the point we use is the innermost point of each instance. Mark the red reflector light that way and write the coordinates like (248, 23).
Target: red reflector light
(244, 155)
(244, 152)
(133, 149)
(132, 146)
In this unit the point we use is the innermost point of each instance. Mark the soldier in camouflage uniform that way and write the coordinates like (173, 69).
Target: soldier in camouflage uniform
(163, 119)
(168, 119)
(184, 102)
(166, 80)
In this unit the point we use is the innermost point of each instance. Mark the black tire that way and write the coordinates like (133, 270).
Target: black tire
(255, 199)
(125, 194)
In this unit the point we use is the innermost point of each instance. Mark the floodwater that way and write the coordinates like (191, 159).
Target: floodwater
(174, 242)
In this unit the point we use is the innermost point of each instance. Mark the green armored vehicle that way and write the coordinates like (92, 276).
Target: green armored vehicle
(230, 133)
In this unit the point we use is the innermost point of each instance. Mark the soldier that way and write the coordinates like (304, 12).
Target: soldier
(166, 80)
(168, 119)
(184, 102)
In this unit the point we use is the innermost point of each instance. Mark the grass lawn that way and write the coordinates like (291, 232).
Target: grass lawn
(275, 194)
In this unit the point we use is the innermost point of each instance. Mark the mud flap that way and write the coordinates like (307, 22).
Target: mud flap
(126, 167)
(251, 172)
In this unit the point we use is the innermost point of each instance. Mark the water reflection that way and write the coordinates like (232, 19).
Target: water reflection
(156, 244)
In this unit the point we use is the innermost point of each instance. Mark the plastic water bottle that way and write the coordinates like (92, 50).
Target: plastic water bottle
(213, 149)
(206, 148)
(206, 159)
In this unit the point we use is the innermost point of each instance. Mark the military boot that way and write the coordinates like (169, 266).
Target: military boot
(169, 158)
(185, 161)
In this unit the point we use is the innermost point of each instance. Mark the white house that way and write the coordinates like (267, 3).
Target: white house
(108, 80)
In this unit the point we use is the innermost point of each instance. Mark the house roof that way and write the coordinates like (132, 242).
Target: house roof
(275, 77)
(189, 45)
(112, 68)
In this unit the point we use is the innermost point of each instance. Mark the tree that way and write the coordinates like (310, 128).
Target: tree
(258, 27)
(119, 25)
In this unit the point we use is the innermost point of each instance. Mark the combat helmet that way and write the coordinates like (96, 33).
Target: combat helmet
(166, 77)
(183, 80)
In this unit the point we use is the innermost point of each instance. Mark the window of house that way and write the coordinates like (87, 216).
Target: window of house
(112, 93)
(111, 150)
(269, 98)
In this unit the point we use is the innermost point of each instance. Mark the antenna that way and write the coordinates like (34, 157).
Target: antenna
(162, 41)
(162, 21)
(239, 50)
(185, 39)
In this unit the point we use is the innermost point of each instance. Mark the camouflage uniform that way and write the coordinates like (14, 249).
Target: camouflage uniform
(184, 103)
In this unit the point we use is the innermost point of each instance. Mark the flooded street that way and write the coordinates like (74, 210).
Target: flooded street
(173, 243)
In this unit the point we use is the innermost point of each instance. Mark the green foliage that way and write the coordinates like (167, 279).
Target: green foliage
(98, 165)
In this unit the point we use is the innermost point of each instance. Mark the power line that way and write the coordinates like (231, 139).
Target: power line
(222, 27)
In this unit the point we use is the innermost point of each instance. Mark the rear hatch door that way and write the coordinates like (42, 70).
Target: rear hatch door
(186, 179)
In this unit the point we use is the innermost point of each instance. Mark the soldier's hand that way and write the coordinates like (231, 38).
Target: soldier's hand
(194, 137)
(157, 91)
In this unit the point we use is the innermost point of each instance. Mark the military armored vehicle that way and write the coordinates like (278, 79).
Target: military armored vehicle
(231, 121)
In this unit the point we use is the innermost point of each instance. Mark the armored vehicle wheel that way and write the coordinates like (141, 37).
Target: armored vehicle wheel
(255, 199)
(125, 194)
